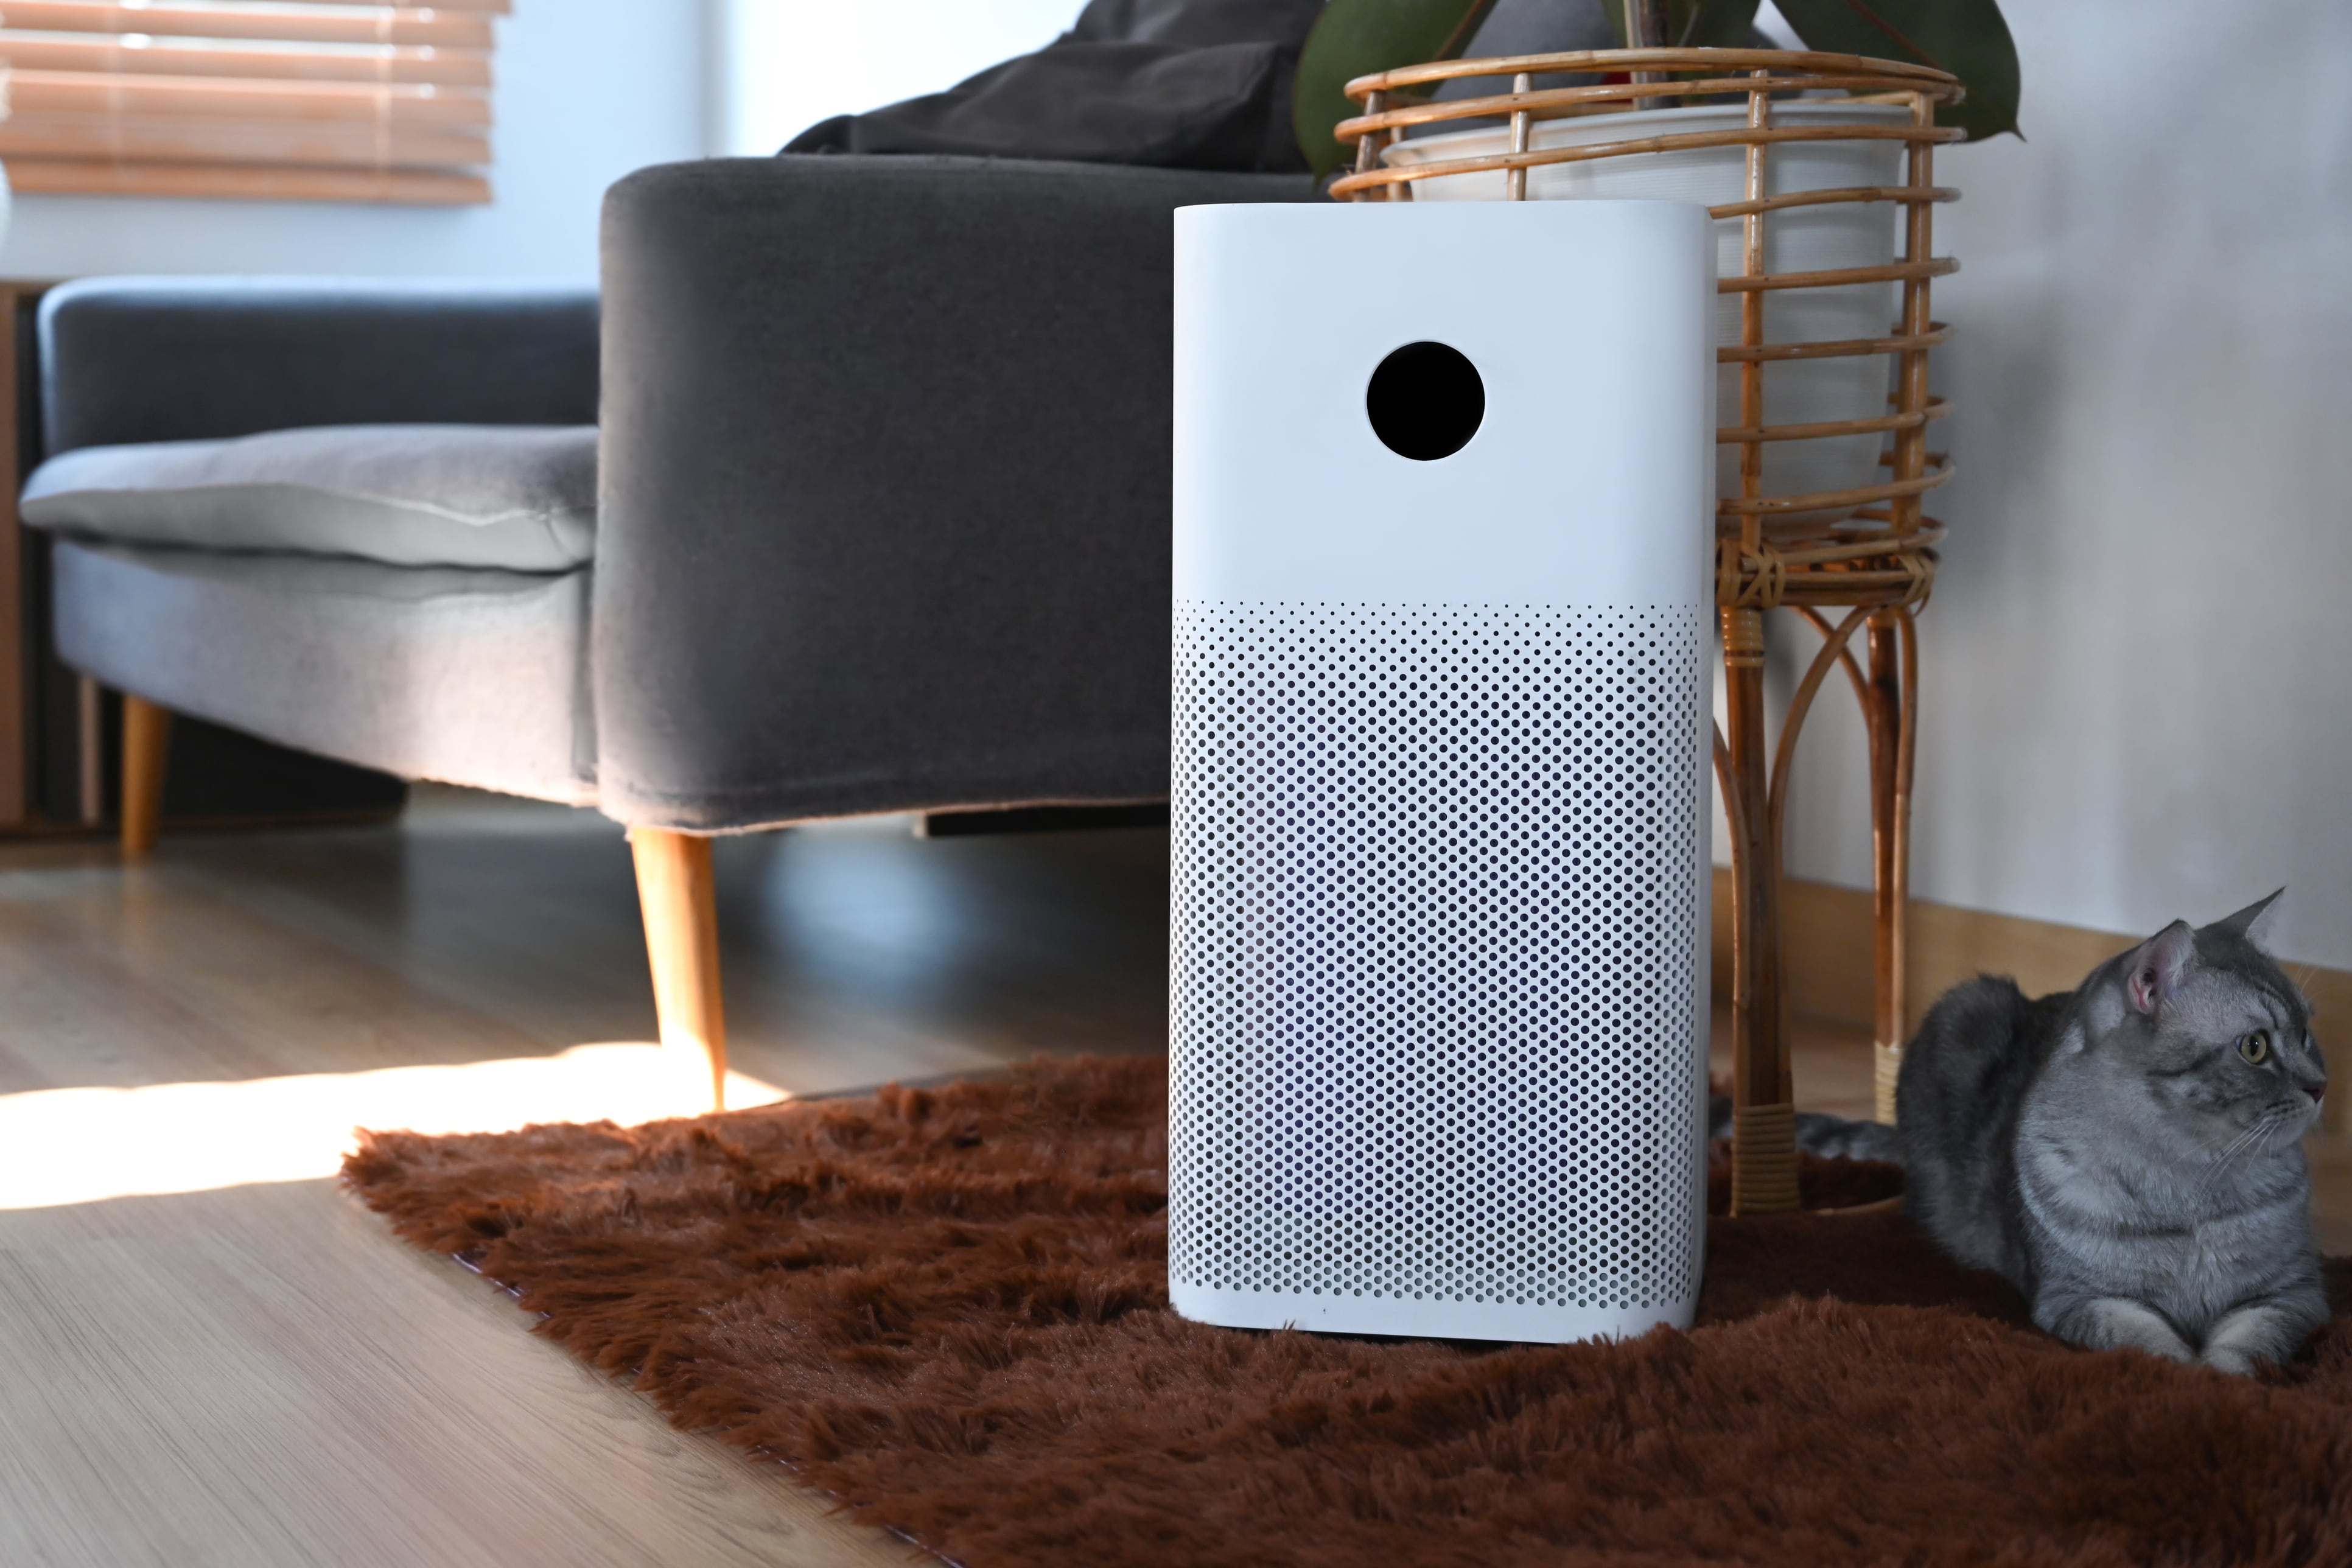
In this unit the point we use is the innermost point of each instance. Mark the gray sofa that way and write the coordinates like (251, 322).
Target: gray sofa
(879, 518)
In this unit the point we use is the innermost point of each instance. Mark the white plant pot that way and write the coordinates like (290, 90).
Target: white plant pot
(1799, 239)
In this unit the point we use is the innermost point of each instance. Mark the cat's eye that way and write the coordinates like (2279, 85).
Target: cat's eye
(2256, 1047)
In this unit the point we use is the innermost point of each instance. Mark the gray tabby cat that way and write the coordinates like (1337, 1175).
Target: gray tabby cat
(2130, 1154)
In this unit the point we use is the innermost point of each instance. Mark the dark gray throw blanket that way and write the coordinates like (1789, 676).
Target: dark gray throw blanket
(1179, 84)
(1186, 84)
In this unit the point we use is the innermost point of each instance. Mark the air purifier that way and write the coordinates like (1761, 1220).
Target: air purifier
(1443, 482)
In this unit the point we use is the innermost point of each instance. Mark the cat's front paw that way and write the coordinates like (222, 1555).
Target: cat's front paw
(2258, 1332)
(2229, 1359)
(2114, 1323)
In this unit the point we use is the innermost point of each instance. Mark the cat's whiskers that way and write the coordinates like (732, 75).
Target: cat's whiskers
(2220, 1167)
(2259, 1129)
(2209, 1145)
(2279, 1116)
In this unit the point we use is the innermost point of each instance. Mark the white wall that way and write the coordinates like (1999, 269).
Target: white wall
(587, 91)
(2137, 668)
(787, 64)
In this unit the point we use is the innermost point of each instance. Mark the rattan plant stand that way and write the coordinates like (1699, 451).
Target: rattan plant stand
(1856, 562)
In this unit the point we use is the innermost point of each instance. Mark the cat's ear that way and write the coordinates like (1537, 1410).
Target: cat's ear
(2251, 923)
(2160, 966)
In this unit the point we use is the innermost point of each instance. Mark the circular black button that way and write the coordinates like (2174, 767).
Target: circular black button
(1426, 401)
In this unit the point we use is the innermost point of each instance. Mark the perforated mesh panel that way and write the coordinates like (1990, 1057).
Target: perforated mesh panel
(1433, 974)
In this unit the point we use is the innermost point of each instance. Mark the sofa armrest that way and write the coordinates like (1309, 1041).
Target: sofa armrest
(162, 359)
(883, 522)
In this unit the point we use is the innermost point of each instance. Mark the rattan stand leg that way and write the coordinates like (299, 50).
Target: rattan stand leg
(1763, 1124)
(1763, 1153)
(1890, 710)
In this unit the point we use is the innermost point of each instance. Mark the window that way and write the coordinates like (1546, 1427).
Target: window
(300, 99)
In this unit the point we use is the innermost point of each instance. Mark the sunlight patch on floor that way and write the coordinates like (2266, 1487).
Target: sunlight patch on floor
(80, 1145)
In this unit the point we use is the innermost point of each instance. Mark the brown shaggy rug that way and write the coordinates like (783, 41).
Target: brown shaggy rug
(948, 1308)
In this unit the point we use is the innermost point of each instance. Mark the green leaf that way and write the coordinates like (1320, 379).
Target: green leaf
(1357, 37)
(1967, 38)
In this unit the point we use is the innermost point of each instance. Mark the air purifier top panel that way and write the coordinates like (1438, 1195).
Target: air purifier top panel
(1462, 403)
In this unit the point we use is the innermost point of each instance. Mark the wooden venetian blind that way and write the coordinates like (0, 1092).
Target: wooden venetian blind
(316, 100)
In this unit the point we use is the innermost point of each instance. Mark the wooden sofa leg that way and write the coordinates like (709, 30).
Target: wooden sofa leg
(146, 742)
(681, 915)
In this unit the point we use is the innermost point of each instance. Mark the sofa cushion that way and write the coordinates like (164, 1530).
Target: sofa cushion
(515, 498)
(474, 677)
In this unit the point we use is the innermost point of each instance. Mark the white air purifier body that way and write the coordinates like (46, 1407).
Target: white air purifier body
(1439, 942)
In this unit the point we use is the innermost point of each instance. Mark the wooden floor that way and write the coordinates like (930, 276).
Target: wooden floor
(261, 1374)
(256, 1373)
